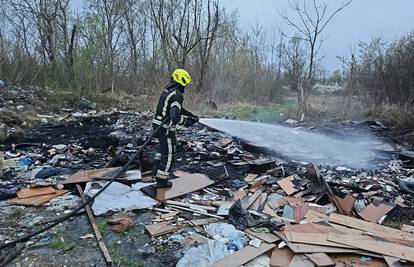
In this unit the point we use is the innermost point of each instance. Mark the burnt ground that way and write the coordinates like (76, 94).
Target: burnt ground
(62, 245)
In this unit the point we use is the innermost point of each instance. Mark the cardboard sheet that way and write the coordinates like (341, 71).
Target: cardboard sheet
(371, 244)
(321, 259)
(186, 184)
(287, 185)
(281, 257)
(244, 255)
(36, 201)
(33, 192)
(372, 213)
(379, 230)
(158, 229)
(87, 175)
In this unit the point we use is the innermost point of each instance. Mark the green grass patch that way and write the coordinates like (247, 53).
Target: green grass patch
(120, 260)
(103, 227)
(267, 113)
(17, 212)
(60, 244)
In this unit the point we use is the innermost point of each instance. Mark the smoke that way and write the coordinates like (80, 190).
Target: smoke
(360, 151)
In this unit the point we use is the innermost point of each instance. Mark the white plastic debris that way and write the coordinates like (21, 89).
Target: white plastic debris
(204, 255)
(255, 243)
(227, 233)
(118, 197)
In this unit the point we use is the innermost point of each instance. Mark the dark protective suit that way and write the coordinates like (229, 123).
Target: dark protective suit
(169, 106)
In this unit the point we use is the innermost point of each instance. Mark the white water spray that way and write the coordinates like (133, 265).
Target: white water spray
(298, 144)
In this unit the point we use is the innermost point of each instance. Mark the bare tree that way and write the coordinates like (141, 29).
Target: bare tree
(309, 24)
(180, 27)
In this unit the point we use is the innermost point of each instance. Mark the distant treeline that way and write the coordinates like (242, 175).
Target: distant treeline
(133, 45)
(99, 46)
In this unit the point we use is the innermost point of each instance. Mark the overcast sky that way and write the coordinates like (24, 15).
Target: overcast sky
(362, 20)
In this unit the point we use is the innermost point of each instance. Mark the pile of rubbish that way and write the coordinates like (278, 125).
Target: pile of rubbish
(228, 206)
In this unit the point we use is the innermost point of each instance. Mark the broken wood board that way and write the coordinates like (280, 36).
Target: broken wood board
(244, 255)
(301, 261)
(224, 208)
(275, 204)
(189, 205)
(309, 228)
(407, 228)
(95, 228)
(33, 192)
(88, 175)
(200, 222)
(379, 230)
(348, 260)
(250, 177)
(251, 199)
(287, 185)
(321, 259)
(259, 202)
(36, 201)
(161, 228)
(306, 248)
(346, 203)
(372, 213)
(312, 239)
(239, 194)
(281, 257)
(314, 216)
(197, 211)
(267, 237)
(392, 262)
(371, 244)
(180, 186)
(268, 210)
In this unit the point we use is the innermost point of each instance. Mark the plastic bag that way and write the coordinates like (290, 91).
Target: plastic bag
(204, 255)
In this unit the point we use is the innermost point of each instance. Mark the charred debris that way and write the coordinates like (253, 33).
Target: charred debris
(232, 203)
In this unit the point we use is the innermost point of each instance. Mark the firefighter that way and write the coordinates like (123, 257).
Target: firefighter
(170, 106)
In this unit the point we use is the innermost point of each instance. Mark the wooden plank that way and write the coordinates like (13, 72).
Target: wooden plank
(306, 248)
(250, 177)
(309, 228)
(36, 201)
(373, 228)
(407, 228)
(372, 213)
(183, 185)
(95, 228)
(314, 216)
(252, 199)
(161, 228)
(244, 255)
(346, 203)
(312, 239)
(392, 262)
(301, 261)
(33, 192)
(87, 175)
(321, 259)
(198, 212)
(205, 221)
(281, 257)
(370, 244)
(287, 185)
(267, 237)
(349, 260)
(189, 205)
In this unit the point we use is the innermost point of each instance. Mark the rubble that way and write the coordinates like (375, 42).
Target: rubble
(228, 206)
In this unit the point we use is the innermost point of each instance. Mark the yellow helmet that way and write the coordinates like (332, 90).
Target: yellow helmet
(181, 76)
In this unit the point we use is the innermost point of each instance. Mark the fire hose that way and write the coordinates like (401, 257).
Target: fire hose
(89, 201)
